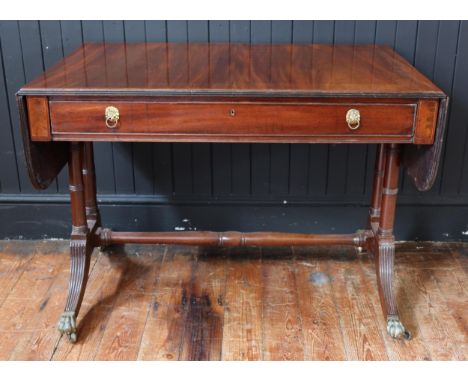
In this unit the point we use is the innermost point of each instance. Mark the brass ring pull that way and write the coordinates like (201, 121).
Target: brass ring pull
(112, 117)
(353, 119)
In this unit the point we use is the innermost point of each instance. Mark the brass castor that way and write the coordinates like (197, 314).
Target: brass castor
(396, 329)
(67, 325)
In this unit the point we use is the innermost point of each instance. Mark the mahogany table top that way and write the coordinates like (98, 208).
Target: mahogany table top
(234, 69)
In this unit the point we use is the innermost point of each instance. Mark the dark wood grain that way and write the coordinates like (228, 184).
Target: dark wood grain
(43, 160)
(307, 72)
(428, 111)
(246, 119)
(38, 115)
(230, 239)
(163, 68)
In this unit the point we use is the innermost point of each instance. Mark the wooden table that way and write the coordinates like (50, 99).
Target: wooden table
(163, 92)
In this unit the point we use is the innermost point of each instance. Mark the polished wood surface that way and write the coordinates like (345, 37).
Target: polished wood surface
(173, 302)
(39, 125)
(230, 239)
(211, 121)
(235, 93)
(199, 68)
(44, 160)
(428, 112)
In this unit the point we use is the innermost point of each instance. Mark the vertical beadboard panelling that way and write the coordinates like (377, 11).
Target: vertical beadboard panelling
(463, 78)
(281, 33)
(385, 34)
(302, 33)
(72, 38)
(12, 56)
(201, 153)
(260, 33)
(337, 177)
(361, 164)
(405, 38)
(424, 59)
(9, 176)
(239, 32)
(142, 151)
(221, 153)
(317, 179)
(162, 152)
(51, 41)
(182, 152)
(93, 31)
(442, 70)
(122, 152)
(33, 62)
(405, 44)
(52, 51)
(444, 67)
(364, 33)
(455, 165)
(446, 54)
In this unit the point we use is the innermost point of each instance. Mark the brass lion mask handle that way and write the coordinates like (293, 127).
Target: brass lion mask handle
(353, 119)
(112, 117)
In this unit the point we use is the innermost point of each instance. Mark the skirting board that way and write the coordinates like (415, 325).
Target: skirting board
(413, 222)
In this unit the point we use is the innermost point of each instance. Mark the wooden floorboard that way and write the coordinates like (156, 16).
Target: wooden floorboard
(165, 324)
(282, 326)
(360, 323)
(123, 333)
(396, 350)
(25, 321)
(188, 303)
(203, 329)
(243, 327)
(323, 337)
(43, 339)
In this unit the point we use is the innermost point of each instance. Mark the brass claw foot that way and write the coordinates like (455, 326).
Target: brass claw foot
(396, 329)
(67, 325)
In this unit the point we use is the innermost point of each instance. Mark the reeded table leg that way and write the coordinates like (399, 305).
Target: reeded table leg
(384, 250)
(80, 245)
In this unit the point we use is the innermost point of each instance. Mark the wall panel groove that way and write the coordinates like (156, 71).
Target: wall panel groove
(225, 173)
(10, 178)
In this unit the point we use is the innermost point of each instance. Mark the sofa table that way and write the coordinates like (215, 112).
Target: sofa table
(178, 92)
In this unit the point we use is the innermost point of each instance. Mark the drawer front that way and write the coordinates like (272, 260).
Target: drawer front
(243, 120)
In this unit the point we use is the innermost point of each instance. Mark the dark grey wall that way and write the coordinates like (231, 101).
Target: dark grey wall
(322, 188)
